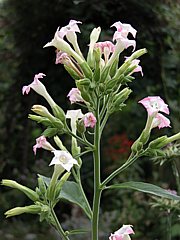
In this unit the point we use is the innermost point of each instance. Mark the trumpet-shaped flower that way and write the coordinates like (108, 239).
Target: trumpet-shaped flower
(39, 88)
(160, 121)
(89, 120)
(154, 105)
(124, 29)
(36, 85)
(123, 233)
(64, 159)
(41, 142)
(71, 27)
(75, 96)
(74, 115)
(121, 34)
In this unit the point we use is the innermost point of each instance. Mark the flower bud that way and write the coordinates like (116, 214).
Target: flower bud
(94, 36)
(42, 111)
(138, 54)
(158, 143)
(59, 113)
(86, 69)
(42, 185)
(43, 120)
(60, 184)
(72, 73)
(29, 192)
(80, 126)
(33, 209)
(122, 96)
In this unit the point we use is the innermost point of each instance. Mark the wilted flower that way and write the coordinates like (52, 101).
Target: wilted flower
(41, 142)
(75, 95)
(64, 159)
(123, 233)
(89, 120)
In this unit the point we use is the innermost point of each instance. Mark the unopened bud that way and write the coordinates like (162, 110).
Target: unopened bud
(94, 36)
(158, 143)
(29, 192)
(138, 54)
(42, 185)
(33, 209)
(42, 111)
(86, 69)
(43, 120)
(80, 126)
(122, 96)
(60, 184)
(59, 113)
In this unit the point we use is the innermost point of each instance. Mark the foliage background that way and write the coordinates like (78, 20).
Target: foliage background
(25, 26)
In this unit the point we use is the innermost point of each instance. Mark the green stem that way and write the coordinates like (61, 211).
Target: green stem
(97, 178)
(58, 225)
(120, 169)
(84, 195)
(176, 175)
(168, 225)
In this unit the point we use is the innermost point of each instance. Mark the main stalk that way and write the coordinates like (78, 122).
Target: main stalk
(97, 178)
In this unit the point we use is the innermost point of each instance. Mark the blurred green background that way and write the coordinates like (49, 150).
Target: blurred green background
(25, 27)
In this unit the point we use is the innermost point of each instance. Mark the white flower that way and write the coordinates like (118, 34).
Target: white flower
(74, 115)
(64, 159)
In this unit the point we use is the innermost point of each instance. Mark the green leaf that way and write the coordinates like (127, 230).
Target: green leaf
(146, 188)
(72, 193)
(50, 132)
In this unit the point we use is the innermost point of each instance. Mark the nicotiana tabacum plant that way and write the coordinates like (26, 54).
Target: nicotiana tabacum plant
(101, 88)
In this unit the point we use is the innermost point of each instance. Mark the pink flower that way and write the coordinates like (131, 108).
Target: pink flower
(71, 27)
(106, 48)
(160, 121)
(135, 62)
(89, 120)
(62, 57)
(124, 29)
(123, 233)
(34, 84)
(75, 96)
(154, 105)
(103, 45)
(121, 34)
(41, 142)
